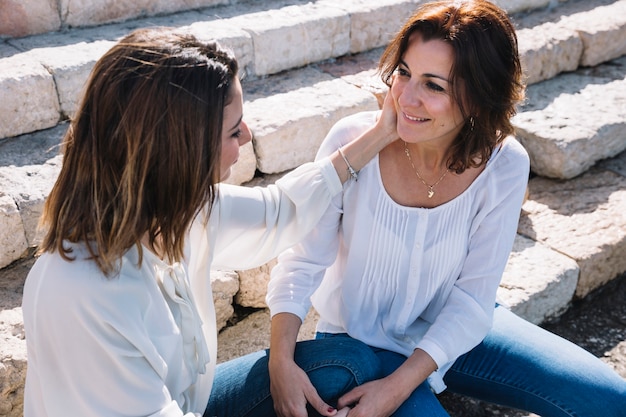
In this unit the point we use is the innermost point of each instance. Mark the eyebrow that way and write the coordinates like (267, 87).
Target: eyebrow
(429, 75)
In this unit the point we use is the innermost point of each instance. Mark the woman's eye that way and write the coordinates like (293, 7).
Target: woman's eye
(237, 134)
(402, 72)
(435, 87)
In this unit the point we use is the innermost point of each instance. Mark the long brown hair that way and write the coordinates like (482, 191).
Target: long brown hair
(142, 154)
(486, 75)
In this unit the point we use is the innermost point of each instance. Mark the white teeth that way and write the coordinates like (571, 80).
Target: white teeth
(415, 119)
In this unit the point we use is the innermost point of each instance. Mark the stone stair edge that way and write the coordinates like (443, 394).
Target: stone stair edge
(59, 72)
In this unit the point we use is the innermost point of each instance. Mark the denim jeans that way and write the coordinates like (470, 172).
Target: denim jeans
(242, 387)
(523, 366)
(520, 365)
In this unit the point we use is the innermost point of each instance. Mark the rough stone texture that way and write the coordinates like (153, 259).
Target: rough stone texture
(29, 99)
(253, 286)
(516, 6)
(295, 36)
(78, 13)
(70, 67)
(603, 32)
(12, 340)
(548, 50)
(572, 121)
(374, 22)
(224, 285)
(538, 283)
(291, 113)
(12, 236)
(253, 334)
(27, 17)
(584, 219)
(29, 165)
(359, 70)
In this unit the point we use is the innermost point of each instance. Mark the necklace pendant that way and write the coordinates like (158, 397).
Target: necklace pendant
(431, 193)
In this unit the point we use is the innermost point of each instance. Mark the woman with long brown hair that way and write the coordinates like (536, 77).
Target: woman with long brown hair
(118, 308)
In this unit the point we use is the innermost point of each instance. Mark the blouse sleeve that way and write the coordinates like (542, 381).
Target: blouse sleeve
(300, 269)
(466, 316)
(249, 226)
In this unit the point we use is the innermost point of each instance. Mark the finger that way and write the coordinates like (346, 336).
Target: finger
(343, 412)
(350, 398)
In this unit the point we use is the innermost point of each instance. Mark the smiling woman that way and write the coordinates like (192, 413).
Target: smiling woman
(409, 258)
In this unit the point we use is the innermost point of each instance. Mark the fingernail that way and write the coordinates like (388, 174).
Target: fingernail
(331, 409)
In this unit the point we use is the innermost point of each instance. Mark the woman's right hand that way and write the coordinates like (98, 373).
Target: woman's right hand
(388, 119)
(292, 390)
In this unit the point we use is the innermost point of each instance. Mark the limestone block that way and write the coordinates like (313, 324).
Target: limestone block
(253, 285)
(29, 99)
(244, 169)
(253, 334)
(224, 285)
(572, 121)
(295, 36)
(12, 340)
(374, 22)
(359, 70)
(538, 283)
(29, 166)
(70, 66)
(516, 6)
(547, 50)
(28, 17)
(582, 218)
(617, 164)
(291, 113)
(602, 30)
(93, 12)
(13, 243)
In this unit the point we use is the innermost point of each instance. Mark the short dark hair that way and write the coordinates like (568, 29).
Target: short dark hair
(486, 75)
(142, 154)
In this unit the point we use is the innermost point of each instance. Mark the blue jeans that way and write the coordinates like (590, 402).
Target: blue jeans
(242, 386)
(520, 365)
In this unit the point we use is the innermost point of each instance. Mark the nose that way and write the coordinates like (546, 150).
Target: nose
(408, 95)
(246, 134)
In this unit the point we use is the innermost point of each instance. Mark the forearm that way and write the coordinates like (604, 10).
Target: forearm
(413, 372)
(283, 335)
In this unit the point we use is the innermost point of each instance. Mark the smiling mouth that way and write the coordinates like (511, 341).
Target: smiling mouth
(415, 119)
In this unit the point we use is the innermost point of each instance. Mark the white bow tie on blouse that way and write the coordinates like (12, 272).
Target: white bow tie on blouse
(173, 280)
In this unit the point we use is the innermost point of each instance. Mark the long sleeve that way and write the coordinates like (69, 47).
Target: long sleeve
(250, 226)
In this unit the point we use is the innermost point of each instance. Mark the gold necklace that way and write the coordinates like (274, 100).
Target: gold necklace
(431, 188)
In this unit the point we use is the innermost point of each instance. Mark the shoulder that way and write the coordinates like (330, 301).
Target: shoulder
(60, 287)
(512, 157)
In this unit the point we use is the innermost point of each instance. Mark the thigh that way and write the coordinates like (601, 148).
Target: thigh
(241, 386)
(422, 402)
(523, 366)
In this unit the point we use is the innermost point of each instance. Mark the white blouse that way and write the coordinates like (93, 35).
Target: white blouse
(402, 278)
(143, 343)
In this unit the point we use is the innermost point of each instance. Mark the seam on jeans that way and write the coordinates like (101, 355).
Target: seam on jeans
(494, 381)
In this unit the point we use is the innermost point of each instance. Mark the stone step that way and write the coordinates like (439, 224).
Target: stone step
(572, 229)
(41, 76)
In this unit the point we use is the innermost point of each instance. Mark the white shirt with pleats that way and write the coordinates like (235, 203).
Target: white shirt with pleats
(402, 278)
